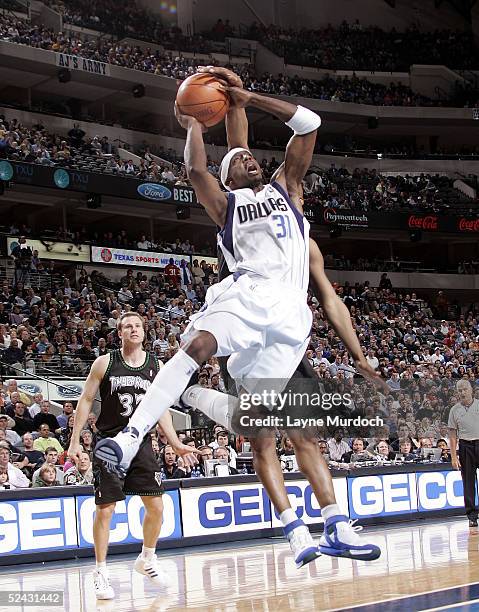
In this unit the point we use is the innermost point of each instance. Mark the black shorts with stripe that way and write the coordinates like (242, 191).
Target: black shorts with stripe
(143, 477)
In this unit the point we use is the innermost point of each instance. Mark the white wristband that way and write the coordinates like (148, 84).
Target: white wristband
(304, 121)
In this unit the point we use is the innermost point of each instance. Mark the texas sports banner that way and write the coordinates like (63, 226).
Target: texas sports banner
(108, 255)
(75, 62)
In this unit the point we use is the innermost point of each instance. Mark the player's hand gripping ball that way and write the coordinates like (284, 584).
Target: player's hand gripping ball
(203, 97)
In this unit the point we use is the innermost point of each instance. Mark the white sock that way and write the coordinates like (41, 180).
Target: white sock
(101, 567)
(163, 392)
(288, 516)
(218, 406)
(329, 511)
(147, 553)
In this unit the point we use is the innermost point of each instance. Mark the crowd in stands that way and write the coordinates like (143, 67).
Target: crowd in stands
(36, 144)
(339, 89)
(357, 47)
(418, 350)
(365, 189)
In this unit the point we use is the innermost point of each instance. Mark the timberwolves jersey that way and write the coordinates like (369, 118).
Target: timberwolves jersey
(122, 390)
(266, 235)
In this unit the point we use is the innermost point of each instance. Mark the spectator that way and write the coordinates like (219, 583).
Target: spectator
(86, 440)
(383, 451)
(22, 423)
(51, 458)
(81, 474)
(44, 416)
(170, 469)
(46, 477)
(337, 447)
(16, 478)
(173, 273)
(222, 452)
(65, 433)
(68, 409)
(6, 425)
(45, 441)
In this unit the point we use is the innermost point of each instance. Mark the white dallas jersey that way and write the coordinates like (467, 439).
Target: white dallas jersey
(265, 234)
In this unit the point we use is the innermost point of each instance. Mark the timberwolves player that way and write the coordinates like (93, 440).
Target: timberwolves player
(259, 314)
(122, 377)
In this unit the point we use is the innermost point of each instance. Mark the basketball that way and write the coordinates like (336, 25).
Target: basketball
(200, 96)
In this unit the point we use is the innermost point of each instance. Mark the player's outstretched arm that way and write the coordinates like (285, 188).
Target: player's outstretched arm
(338, 315)
(236, 121)
(92, 384)
(205, 185)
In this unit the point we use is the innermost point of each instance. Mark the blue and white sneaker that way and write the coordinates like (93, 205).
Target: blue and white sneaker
(302, 544)
(340, 539)
(117, 453)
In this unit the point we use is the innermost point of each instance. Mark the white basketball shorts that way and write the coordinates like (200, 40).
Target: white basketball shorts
(264, 325)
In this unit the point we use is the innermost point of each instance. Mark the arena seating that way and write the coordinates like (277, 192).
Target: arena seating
(62, 329)
(354, 47)
(340, 89)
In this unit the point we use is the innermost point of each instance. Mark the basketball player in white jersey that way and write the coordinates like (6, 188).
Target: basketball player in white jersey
(259, 315)
(340, 537)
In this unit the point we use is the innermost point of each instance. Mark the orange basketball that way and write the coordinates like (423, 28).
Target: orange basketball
(201, 97)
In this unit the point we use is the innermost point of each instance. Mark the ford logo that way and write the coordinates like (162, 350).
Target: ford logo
(71, 391)
(30, 388)
(153, 191)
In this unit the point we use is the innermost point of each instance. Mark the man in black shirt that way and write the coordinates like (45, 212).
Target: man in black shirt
(22, 423)
(44, 416)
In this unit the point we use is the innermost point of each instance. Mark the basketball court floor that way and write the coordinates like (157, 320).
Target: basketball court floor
(423, 566)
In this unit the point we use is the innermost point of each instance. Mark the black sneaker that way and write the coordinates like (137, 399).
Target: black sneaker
(473, 522)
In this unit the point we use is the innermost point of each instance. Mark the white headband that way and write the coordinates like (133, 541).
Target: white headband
(225, 164)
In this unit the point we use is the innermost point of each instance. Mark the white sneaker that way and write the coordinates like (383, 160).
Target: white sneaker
(340, 539)
(151, 569)
(117, 453)
(302, 544)
(103, 588)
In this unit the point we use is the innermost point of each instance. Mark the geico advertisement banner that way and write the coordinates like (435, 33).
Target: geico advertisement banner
(107, 255)
(304, 502)
(39, 525)
(439, 490)
(392, 494)
(35, 525)
(225, 509)
(126, 524)
(51, 249)
(382, 495)
(246, 507)
(60, 391)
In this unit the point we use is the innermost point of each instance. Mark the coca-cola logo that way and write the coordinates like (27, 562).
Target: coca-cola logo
(330, 215)
(468, 225)
(426, 223)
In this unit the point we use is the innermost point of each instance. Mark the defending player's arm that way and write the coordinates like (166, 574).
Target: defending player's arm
(92, 384)
(302, 121)
(338, 315)
(205, 185)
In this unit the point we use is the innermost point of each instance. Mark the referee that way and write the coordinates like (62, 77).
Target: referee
(464, 424)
